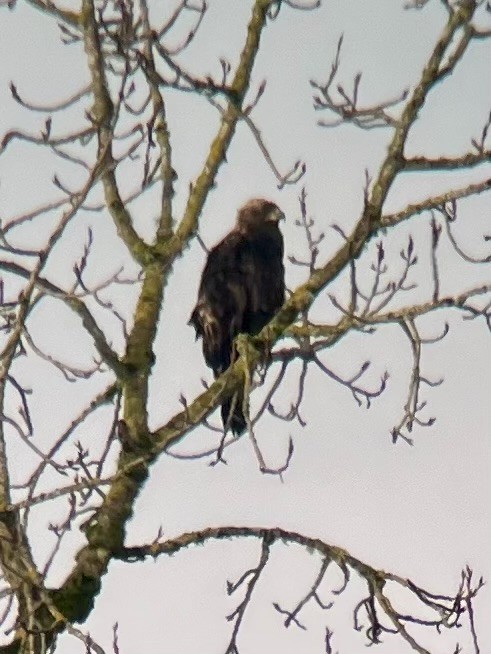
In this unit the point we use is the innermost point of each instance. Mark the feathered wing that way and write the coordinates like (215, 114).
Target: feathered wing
(263, 274)
(222, 298)
(242, 286)
(219, 316)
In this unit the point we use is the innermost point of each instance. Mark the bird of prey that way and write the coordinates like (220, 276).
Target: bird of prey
(242, 286)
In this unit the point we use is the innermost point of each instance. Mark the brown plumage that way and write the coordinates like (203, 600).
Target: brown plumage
(242, 287)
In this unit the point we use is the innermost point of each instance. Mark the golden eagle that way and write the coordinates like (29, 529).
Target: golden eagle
(242, 287)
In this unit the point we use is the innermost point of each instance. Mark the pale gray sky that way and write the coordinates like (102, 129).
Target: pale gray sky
(421, 512)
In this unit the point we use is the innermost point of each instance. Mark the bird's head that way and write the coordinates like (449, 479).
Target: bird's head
(258, 212)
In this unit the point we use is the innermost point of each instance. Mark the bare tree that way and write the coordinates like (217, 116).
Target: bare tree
(79, 320)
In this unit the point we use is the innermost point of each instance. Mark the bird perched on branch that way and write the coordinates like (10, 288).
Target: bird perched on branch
(242, 287)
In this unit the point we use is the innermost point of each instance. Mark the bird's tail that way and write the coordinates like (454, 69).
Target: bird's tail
(232, 415)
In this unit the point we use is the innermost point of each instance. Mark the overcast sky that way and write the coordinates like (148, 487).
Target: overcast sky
(421, 511)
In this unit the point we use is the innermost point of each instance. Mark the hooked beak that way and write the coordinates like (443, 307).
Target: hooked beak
(277, 215)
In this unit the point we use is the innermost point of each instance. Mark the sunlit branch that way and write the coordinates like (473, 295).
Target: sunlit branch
(448, 608)
(292, 176)
(347, 106)
(21, 565)
(172, 20)
(449, 213)
(50, 7)
(239, 612)
(24, 306)
(312, 594)
(431, 75)
(294, 411)
(412, 406)
(410, 312)
(104, 349)
(313, 241)
(200, 10)
(25, 438)
(225, 386)
(209, 89)
(102, 113)
(60, 531)
(160, 128)
(469, 160)
(59, 105)
(393, 288)
(71, 373)
(468, 594)
(435, 202)
(303, 6)
(435, 238)
(274, 387)
(106, 396)
(356, 390)
(218, 148)
(45, 138)
(398, 625)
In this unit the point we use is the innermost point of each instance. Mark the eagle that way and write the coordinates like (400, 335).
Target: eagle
(242, 287)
